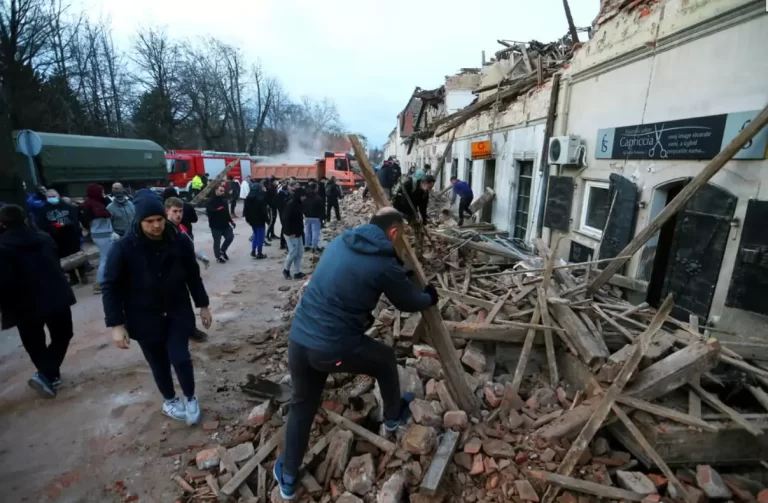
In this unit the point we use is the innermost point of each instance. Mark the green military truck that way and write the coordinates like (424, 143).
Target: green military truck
(68, 163)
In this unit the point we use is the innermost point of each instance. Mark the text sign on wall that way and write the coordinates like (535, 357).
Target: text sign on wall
(481, 150)
(696, 138)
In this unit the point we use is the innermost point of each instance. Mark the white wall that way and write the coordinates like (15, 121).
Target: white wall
(457, 99)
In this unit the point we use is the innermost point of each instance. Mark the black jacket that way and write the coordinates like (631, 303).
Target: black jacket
(321, 190)
(62, 223)
(314, 206)
(255, 210)
(217, 210)
(34, 285)
(234, 190)
(293, 218)
(270, 191)
(386, 175)
(419, 198)
(188, 217)
(333, 192)
(147, 285)
(280, 200)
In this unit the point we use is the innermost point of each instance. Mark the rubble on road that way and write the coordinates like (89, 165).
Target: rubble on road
(581, 398)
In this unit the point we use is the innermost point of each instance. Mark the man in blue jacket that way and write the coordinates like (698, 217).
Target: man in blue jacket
(151, 273)
(35, 294)
(327, 334)
(463, 191)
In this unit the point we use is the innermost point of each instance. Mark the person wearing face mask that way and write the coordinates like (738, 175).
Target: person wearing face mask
(36, 295)
(328, 331)
(98, 220)
(122, 210)
(151, 274)
(60, 220)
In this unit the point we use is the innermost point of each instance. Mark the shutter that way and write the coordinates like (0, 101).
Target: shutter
(557, 214)
(620, 226)
(698, 246)
(580, 253)
(749, 283)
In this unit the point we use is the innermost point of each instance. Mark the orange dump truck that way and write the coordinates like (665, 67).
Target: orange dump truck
(332, 164)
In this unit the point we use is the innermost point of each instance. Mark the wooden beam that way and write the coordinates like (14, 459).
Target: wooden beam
(549, 129)
(715, 403)
(522, 362)
(441, 159)
(443, 457)
(603, 408)
(760, 395)
(675, 371)
(571, 26)
(497, 307)
(237, 482)
(488, 248)
(715, 165)
(554, 376)
(589, 347)
(214, 183)
(482, 332)
(665, 412)
(585, 486)
(382, 443)
(640, 439)
(466, 299)
(441, 339)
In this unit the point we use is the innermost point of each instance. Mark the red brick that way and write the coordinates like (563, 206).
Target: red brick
(490, 465)
(762, 496)
(333, 406)
(526, 491)
(478, 466)
(431, 390)
(492, 399)
(658, 480)
(210, 425)
(424, 350)
(567, 497)
(260, 414)
(455, 419)
(493, 482)
(473, 446)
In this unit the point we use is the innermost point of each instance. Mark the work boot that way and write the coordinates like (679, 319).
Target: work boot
(198, 335)
(193, 411)
(286, 274)
(286, 483)
(42, 385)
(260, 256)
(299, 275)
(175, 409)
(253, 253)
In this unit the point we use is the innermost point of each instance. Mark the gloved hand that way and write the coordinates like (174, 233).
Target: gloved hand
(120, 336)
(432, 291)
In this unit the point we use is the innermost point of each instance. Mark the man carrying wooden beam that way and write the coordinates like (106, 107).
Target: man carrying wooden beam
(327, 334)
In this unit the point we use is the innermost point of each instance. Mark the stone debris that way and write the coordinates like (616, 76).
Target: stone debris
(359, 475)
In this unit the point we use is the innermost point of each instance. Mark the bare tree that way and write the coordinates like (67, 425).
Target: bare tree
(202, 84)
(265, 90)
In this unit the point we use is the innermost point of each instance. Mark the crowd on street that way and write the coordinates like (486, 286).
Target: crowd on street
(149, 278)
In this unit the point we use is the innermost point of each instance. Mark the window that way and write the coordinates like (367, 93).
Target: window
(341, 165)
(523, 206)
(468, 164)
(595, 207)
(455, 168)
(177, 165)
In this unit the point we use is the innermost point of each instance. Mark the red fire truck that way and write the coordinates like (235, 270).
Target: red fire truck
(184, 165)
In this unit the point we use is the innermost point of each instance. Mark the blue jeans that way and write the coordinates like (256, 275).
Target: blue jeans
(311, 232)
(104, 245)
(257, 243)
(295, 254)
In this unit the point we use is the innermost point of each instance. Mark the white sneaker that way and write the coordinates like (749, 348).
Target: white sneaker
(193, 411)
(174, 409)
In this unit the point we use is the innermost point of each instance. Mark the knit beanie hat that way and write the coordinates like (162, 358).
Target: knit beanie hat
(148, 204)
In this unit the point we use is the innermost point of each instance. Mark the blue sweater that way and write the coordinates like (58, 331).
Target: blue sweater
(356, 268)
(462, 189)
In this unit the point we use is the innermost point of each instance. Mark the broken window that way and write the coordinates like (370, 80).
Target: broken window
(595, 207)
(455, 168)
(524, 183)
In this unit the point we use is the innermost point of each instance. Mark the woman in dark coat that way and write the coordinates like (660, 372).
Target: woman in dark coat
(150, 275)
(256, 213)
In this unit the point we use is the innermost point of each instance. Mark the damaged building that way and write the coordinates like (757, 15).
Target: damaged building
(635, 112)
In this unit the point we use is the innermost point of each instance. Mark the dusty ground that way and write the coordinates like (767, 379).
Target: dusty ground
(103, 437)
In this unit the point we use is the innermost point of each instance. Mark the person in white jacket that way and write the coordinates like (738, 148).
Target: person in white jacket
(245, 188)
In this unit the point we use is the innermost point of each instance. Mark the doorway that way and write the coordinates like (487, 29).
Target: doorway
(489, 180)
(523, 199)
(690, 249)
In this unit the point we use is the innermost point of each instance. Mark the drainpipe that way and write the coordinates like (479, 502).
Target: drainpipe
(544, 164)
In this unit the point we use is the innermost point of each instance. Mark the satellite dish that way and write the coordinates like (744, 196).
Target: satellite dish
(28, 143)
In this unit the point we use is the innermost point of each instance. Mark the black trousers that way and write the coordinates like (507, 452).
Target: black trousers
(47, 358)
(228, 235)
(172, 352)
(232, 206)
(333, 204)
(272, 222)
(310, 368)
(464, 203)
(73, 275)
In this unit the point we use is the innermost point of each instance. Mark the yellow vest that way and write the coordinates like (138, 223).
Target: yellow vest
(197, 183)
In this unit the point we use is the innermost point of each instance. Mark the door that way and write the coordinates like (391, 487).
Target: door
(620, 224)
(749, 283)
(489, 180)
(696, 252)
(523, 199)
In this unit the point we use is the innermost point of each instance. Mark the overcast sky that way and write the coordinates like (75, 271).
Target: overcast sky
(367, 55)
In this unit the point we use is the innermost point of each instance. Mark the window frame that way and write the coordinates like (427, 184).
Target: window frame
(588, 186)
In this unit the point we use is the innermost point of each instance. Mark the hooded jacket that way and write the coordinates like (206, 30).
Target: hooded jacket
(255, 208)
(419, 197)
(217, 209)
(292, 218)
(34, 285)
(123, 211)
(96, 218)
(386, 175)
(61, 221)
(147, 285)
(314, 206)
(333, 192)
(270, 191)
(356, 268)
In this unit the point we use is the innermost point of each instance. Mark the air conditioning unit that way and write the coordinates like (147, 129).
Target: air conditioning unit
(564, 149)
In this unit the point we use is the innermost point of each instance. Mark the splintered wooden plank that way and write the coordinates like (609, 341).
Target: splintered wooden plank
(382, 443)
(658, 410)
(675, 371)
(239, 478)
(525, 353)
(499, 304)
(439, 336)
(760, 395)
(466, 299)
(603, 407)
(715, 403)
(585, 486)
(443, 457)
(651, 452)
(554, 376)
(228, 463)
(586, 343)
